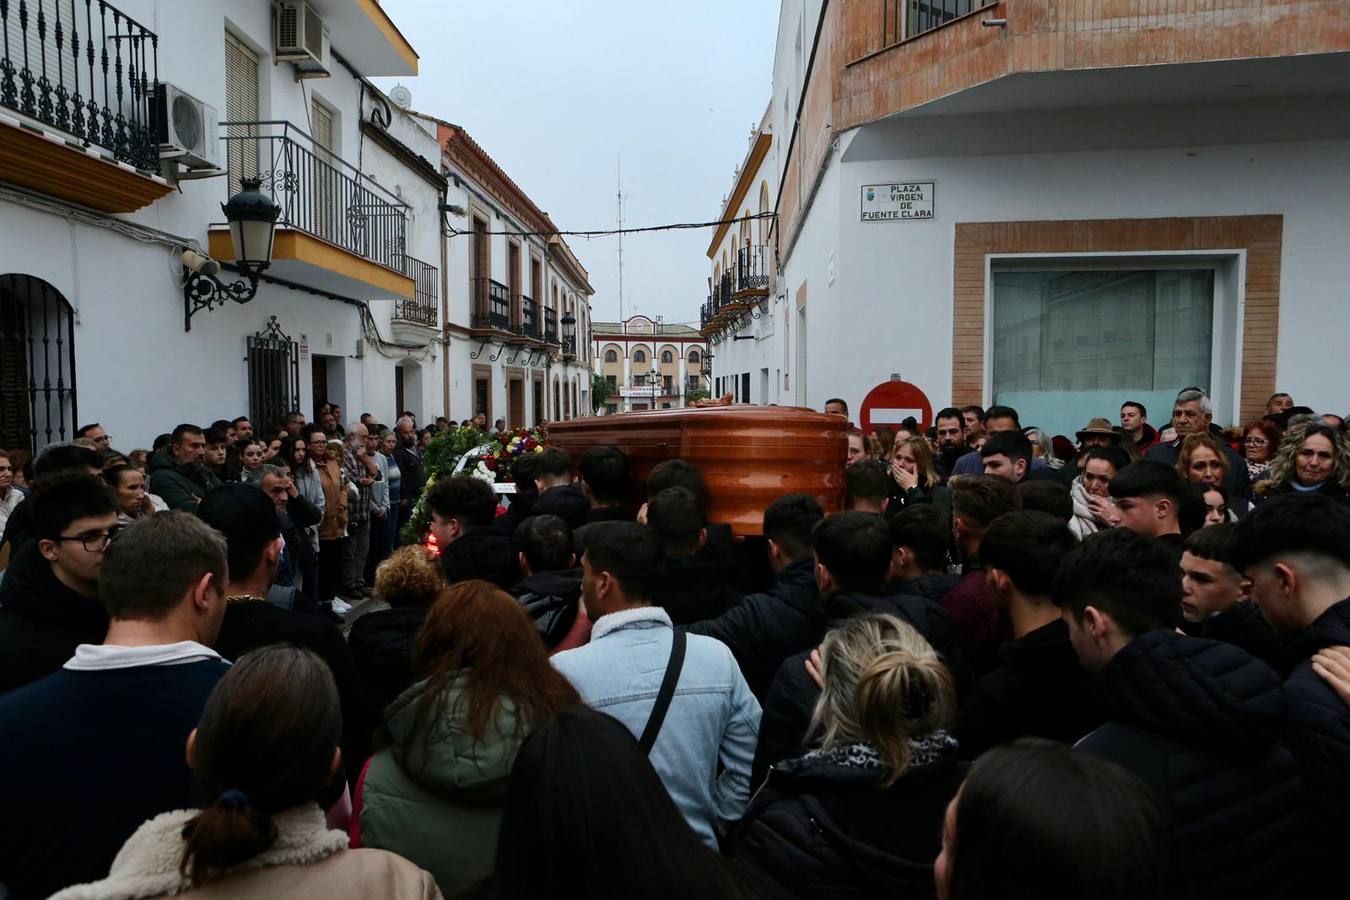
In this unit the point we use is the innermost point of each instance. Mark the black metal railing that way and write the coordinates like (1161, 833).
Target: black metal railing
(902, 19)
(320, 193)
(752, 269)
(569, 346)
(491, 304)
(529, 317)
(423, 307)
(551, 326)
(85, 68)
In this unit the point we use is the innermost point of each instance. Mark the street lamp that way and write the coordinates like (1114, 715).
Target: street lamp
(252, 216)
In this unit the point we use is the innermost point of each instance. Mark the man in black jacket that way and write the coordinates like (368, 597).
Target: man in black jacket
(688, 589)
(765, 629)
(852, 552)
(463, 519)
(409, 460)
(604, 477)
(49, 598)
(1214, 600)
(558, 494)
(1193, 413)
(1038, 689)
(51, 462)
(1296, 553)
(1200, 721)
(921, 536)
(551, 588)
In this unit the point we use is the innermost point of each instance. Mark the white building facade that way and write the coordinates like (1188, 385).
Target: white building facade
(648, 364)
(518, 306)
(99, 320)
(1059, 210)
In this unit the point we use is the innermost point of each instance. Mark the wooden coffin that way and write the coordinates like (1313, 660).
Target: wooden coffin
(750, 455)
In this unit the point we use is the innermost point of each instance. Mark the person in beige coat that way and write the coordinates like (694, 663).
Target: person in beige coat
(266, 749)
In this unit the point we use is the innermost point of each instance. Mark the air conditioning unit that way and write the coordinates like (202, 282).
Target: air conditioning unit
(188, 130)
(302, 38)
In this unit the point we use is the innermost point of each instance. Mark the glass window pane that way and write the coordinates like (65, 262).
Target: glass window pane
(1072, 345)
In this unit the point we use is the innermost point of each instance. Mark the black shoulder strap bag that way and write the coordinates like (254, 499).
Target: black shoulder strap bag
(667, 692)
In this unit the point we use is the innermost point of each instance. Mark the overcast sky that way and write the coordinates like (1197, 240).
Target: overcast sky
(556, 92)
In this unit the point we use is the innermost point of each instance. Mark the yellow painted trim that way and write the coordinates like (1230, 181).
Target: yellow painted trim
(53, 167)
(752, 164)
(380, 19)
(305, 248)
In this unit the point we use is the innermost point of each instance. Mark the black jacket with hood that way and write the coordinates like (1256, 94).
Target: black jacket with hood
(41, 620)
(1202, 723)
(485, 553)
(552, 600)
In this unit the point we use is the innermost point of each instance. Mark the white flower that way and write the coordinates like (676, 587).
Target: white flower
(481, 471)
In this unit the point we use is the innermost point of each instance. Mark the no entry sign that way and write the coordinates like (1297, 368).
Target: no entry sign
(891, 402)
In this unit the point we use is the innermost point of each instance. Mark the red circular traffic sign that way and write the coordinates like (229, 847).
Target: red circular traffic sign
(891, 402)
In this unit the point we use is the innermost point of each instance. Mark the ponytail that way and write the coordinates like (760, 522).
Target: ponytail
(223, 835)
(902, 696)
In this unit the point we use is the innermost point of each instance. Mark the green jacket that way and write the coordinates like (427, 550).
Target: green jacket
(440, 806)
(180, 485)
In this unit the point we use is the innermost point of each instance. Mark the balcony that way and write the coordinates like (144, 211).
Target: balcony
(491, 307)
(569, 347)
(750, 279)
(77, 89)
(529, 317)
(551, 326)
(415, 322)
(339, 231)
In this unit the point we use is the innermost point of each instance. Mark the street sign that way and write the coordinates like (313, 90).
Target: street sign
(891, 402)
(897, 202)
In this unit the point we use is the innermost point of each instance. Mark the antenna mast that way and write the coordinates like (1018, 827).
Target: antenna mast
(620, 204)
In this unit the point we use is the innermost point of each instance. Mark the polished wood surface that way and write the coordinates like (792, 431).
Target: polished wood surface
(750, 455)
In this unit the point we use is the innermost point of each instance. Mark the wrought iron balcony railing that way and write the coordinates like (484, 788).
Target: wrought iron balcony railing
(551, 326)
(569, 347)
(529, 317)
(86, 68)
(491, 304)
(752, 269)
(423, 308)
(319, 193)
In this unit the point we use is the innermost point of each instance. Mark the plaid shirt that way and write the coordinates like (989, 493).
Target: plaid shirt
(355, 470)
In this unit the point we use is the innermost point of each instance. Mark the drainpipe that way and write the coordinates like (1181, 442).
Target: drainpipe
(446, 340)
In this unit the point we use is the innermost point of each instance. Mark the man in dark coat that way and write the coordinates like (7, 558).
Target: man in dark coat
(177, 475)
(852, 552)
(1296, 552)
(551, 588)
(1192, 413)
(409, 459)
(977, 500)
(51, 462)
(1214, 604)
(1201, 722)
(765, 629)
(558, 494)
(49, 597)
(689, 589)
(920, 535)
(1038, 689)
(463, 519)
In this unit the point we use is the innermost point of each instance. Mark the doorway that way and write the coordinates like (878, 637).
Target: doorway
(516, 403)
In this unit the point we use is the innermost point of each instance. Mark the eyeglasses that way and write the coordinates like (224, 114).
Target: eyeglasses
(93, 541)
(1256, 442)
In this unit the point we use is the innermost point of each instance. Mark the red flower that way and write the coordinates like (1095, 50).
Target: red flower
(490, 462)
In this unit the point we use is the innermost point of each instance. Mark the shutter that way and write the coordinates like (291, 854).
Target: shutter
(324, 179)
(241, 105)
(322, 123)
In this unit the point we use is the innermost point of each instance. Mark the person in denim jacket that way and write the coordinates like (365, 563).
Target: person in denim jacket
(713, 718)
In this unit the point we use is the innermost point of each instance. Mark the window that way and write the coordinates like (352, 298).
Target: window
(613, 382)
(639, 356)
(745, 387)
(667, 356)
(1069, 344)
(241, 105)
(667, 384)
(693, 357)
(611, 356)
(481, 392)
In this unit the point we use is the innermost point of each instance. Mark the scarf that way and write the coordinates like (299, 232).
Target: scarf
(862, 755)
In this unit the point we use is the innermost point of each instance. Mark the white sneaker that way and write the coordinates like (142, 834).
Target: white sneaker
(341, 607)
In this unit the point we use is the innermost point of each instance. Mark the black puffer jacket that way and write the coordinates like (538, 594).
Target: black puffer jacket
(484, 553)
(765, 629)
(929, 587)
(1202, 722)
(691, 590)
(41, 620)
(1242, 625)
(793, 695)
(822, 829)
(567, 502)
(552, 600)
(1039, 689)
(1318, 733)
(382, 649)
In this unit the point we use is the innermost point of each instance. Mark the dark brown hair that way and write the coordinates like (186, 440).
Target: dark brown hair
(265, 744)
(477, 630)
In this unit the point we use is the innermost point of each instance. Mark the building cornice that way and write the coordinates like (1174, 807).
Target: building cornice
(760, 149)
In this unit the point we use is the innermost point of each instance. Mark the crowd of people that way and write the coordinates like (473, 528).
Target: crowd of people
(1010, 666)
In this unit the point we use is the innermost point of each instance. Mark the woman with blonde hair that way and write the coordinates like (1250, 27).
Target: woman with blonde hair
(1201, 459)
(914, 479)
(861, 816)
(1313, 458)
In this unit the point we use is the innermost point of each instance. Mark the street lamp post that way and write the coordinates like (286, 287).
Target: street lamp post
(252, 216)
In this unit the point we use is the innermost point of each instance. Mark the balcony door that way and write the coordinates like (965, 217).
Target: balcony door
(241, 105)
(324, 177)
